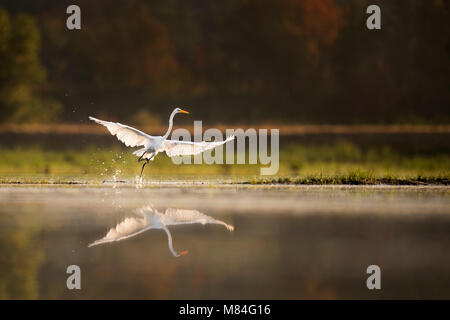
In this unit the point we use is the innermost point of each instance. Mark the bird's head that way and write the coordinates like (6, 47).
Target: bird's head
(179, 110)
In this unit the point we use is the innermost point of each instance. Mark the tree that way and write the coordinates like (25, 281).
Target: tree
(22, 76)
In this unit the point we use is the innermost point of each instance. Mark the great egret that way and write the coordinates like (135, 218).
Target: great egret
(150, 218)
(132, 137)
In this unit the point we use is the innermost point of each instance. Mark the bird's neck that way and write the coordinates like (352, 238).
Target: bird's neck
(170, 124)
(169, 239)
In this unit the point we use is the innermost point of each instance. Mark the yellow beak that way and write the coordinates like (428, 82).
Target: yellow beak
(184, 111)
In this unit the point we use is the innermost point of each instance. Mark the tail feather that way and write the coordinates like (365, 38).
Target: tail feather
(139, 152)
(144, 154)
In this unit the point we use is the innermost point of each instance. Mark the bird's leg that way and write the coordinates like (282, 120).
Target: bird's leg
(142, 170)
(140, 158)
(147, 160)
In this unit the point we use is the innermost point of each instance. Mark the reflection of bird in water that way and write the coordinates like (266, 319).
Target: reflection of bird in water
(150, 218)
(152, 145)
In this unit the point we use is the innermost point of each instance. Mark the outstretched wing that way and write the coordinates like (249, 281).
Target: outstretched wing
(130, 136)
(184, 216)
(183, 148)
(126, 229)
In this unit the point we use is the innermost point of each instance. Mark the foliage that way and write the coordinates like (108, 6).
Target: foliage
(22, 75)
(342, 162)
(239, 61)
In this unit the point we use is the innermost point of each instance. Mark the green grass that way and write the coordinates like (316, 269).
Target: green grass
(354, 178)
(340, 163)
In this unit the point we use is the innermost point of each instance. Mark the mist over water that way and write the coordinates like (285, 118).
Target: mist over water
(292, 242)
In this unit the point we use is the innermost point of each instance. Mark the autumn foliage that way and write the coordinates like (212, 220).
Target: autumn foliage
(294, 61)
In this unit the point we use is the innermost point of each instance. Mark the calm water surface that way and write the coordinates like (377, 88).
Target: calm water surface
(189, 242)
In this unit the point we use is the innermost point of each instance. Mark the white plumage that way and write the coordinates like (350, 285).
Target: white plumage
(152, 145)
(182, 148)
(130, 136)
(150, 218)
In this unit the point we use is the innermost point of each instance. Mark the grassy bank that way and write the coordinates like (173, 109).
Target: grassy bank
(354, 178)
(339, 163)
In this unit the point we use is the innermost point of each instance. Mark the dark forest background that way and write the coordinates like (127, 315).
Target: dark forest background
(234, 61)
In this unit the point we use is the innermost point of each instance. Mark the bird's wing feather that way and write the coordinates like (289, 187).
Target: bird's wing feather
(126, 229)
(185, 216)
(181, 148)
(130, 136)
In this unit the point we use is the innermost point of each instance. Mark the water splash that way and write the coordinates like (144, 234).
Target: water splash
(139, 181)
(117, 172)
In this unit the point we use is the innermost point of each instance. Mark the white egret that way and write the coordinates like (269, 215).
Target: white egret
(150, 218)
(152, 145)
